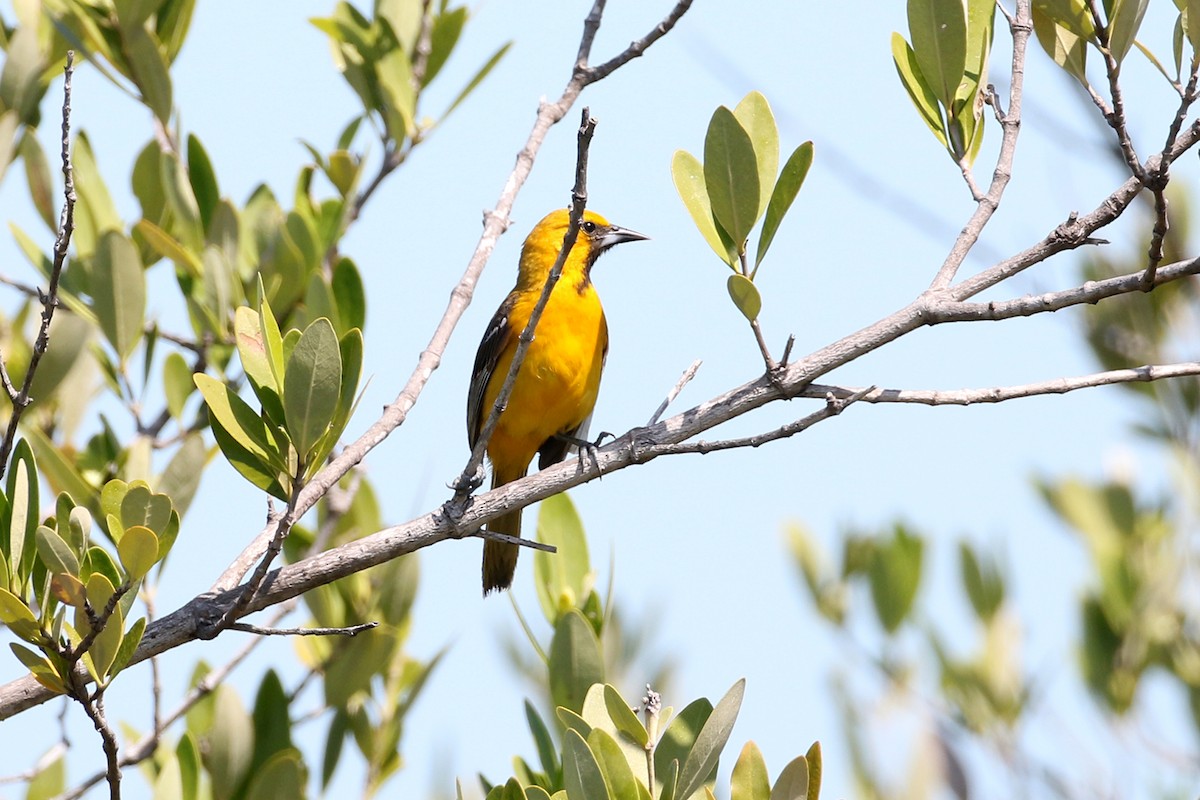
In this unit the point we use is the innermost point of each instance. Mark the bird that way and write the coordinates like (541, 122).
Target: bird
(556, 387)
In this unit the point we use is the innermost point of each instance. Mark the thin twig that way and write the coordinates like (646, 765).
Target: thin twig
(1159, 177)
(497, 536)
(683, 381)
(348, 630)
(1115, 117)
(1010, 123)
(66, 225)
(1000, 394)
(833, 406)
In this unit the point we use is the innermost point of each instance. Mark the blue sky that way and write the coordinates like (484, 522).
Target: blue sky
(696, 541)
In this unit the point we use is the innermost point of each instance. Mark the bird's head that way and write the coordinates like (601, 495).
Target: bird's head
(596, 236)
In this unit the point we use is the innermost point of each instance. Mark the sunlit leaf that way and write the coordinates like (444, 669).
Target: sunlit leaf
(731, 175)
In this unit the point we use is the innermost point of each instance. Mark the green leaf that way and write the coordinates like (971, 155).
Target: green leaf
(575, 661)
(547, 752)
(37, 176)
(447, 28)
(312, 385)
(229, 744)
(119, 292)
(106, 645)
(895, 574)
(188, 755)
(792, 783)
(17, 616)
(1124, 21)
(749, 780)
(688, 175)
(618, 776)
(1066, 48)
(129, 645)
(1192, 28)
(167, 246)
(55, 553)
(786, 188)
(50, 779)
(939, 40)
(138, 550)
(177, 383)
(680, 736)
(42, 670)
(918, 89)
(623, 717)
(562, 578)
(349, 295)
(745, 295)
(1074, 15)
(702, 758)
(399, 106)
(582, 777)
(477, 79)
(238, 420)
(283, 777)
(754, 114)
(815, 769)
(256, 363)
(140, 506)
(181, 200)
(22, 493)
(982, 580)
(203, 180)
(181, 478)
(731, 176)
(9, 122)
(272, 725)
(149, 69)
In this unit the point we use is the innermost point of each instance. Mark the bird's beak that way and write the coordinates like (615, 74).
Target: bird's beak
(617, 235)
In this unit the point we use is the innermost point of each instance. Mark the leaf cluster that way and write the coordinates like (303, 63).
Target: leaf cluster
(736, 186)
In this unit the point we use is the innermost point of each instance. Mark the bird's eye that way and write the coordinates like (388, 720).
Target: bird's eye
(588, 227)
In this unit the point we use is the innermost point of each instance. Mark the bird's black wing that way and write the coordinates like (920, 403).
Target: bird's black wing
(495, 338)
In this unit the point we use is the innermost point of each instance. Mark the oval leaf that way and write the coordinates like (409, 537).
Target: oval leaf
(754, 113)
(561, 577)
(119, 292)
(939, 40)
(749, 780)
(702, 759)
(688, 175)
(745, 296)
(786, 189)
(575, 661)
(138, 550)
(792, 783)
(731, 175)
(311, 386)
(582, 777)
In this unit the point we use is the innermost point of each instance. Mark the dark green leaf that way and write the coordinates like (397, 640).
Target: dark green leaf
(149, 69)
(701, 762)
(203, 180)
(575, 661)
(786, 188)
(895, 574)
(731, 176)
(623, 717)
(939, 40)
(582, 777)
(447, 27)
(562, 578)
(119, 292)
(312, 385)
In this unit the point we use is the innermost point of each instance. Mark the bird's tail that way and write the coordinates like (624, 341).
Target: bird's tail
(500, 558)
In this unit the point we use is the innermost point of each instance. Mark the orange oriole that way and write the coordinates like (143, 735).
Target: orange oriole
(557, 384)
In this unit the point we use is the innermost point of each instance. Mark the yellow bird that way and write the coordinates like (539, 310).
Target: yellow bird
(557, 384)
